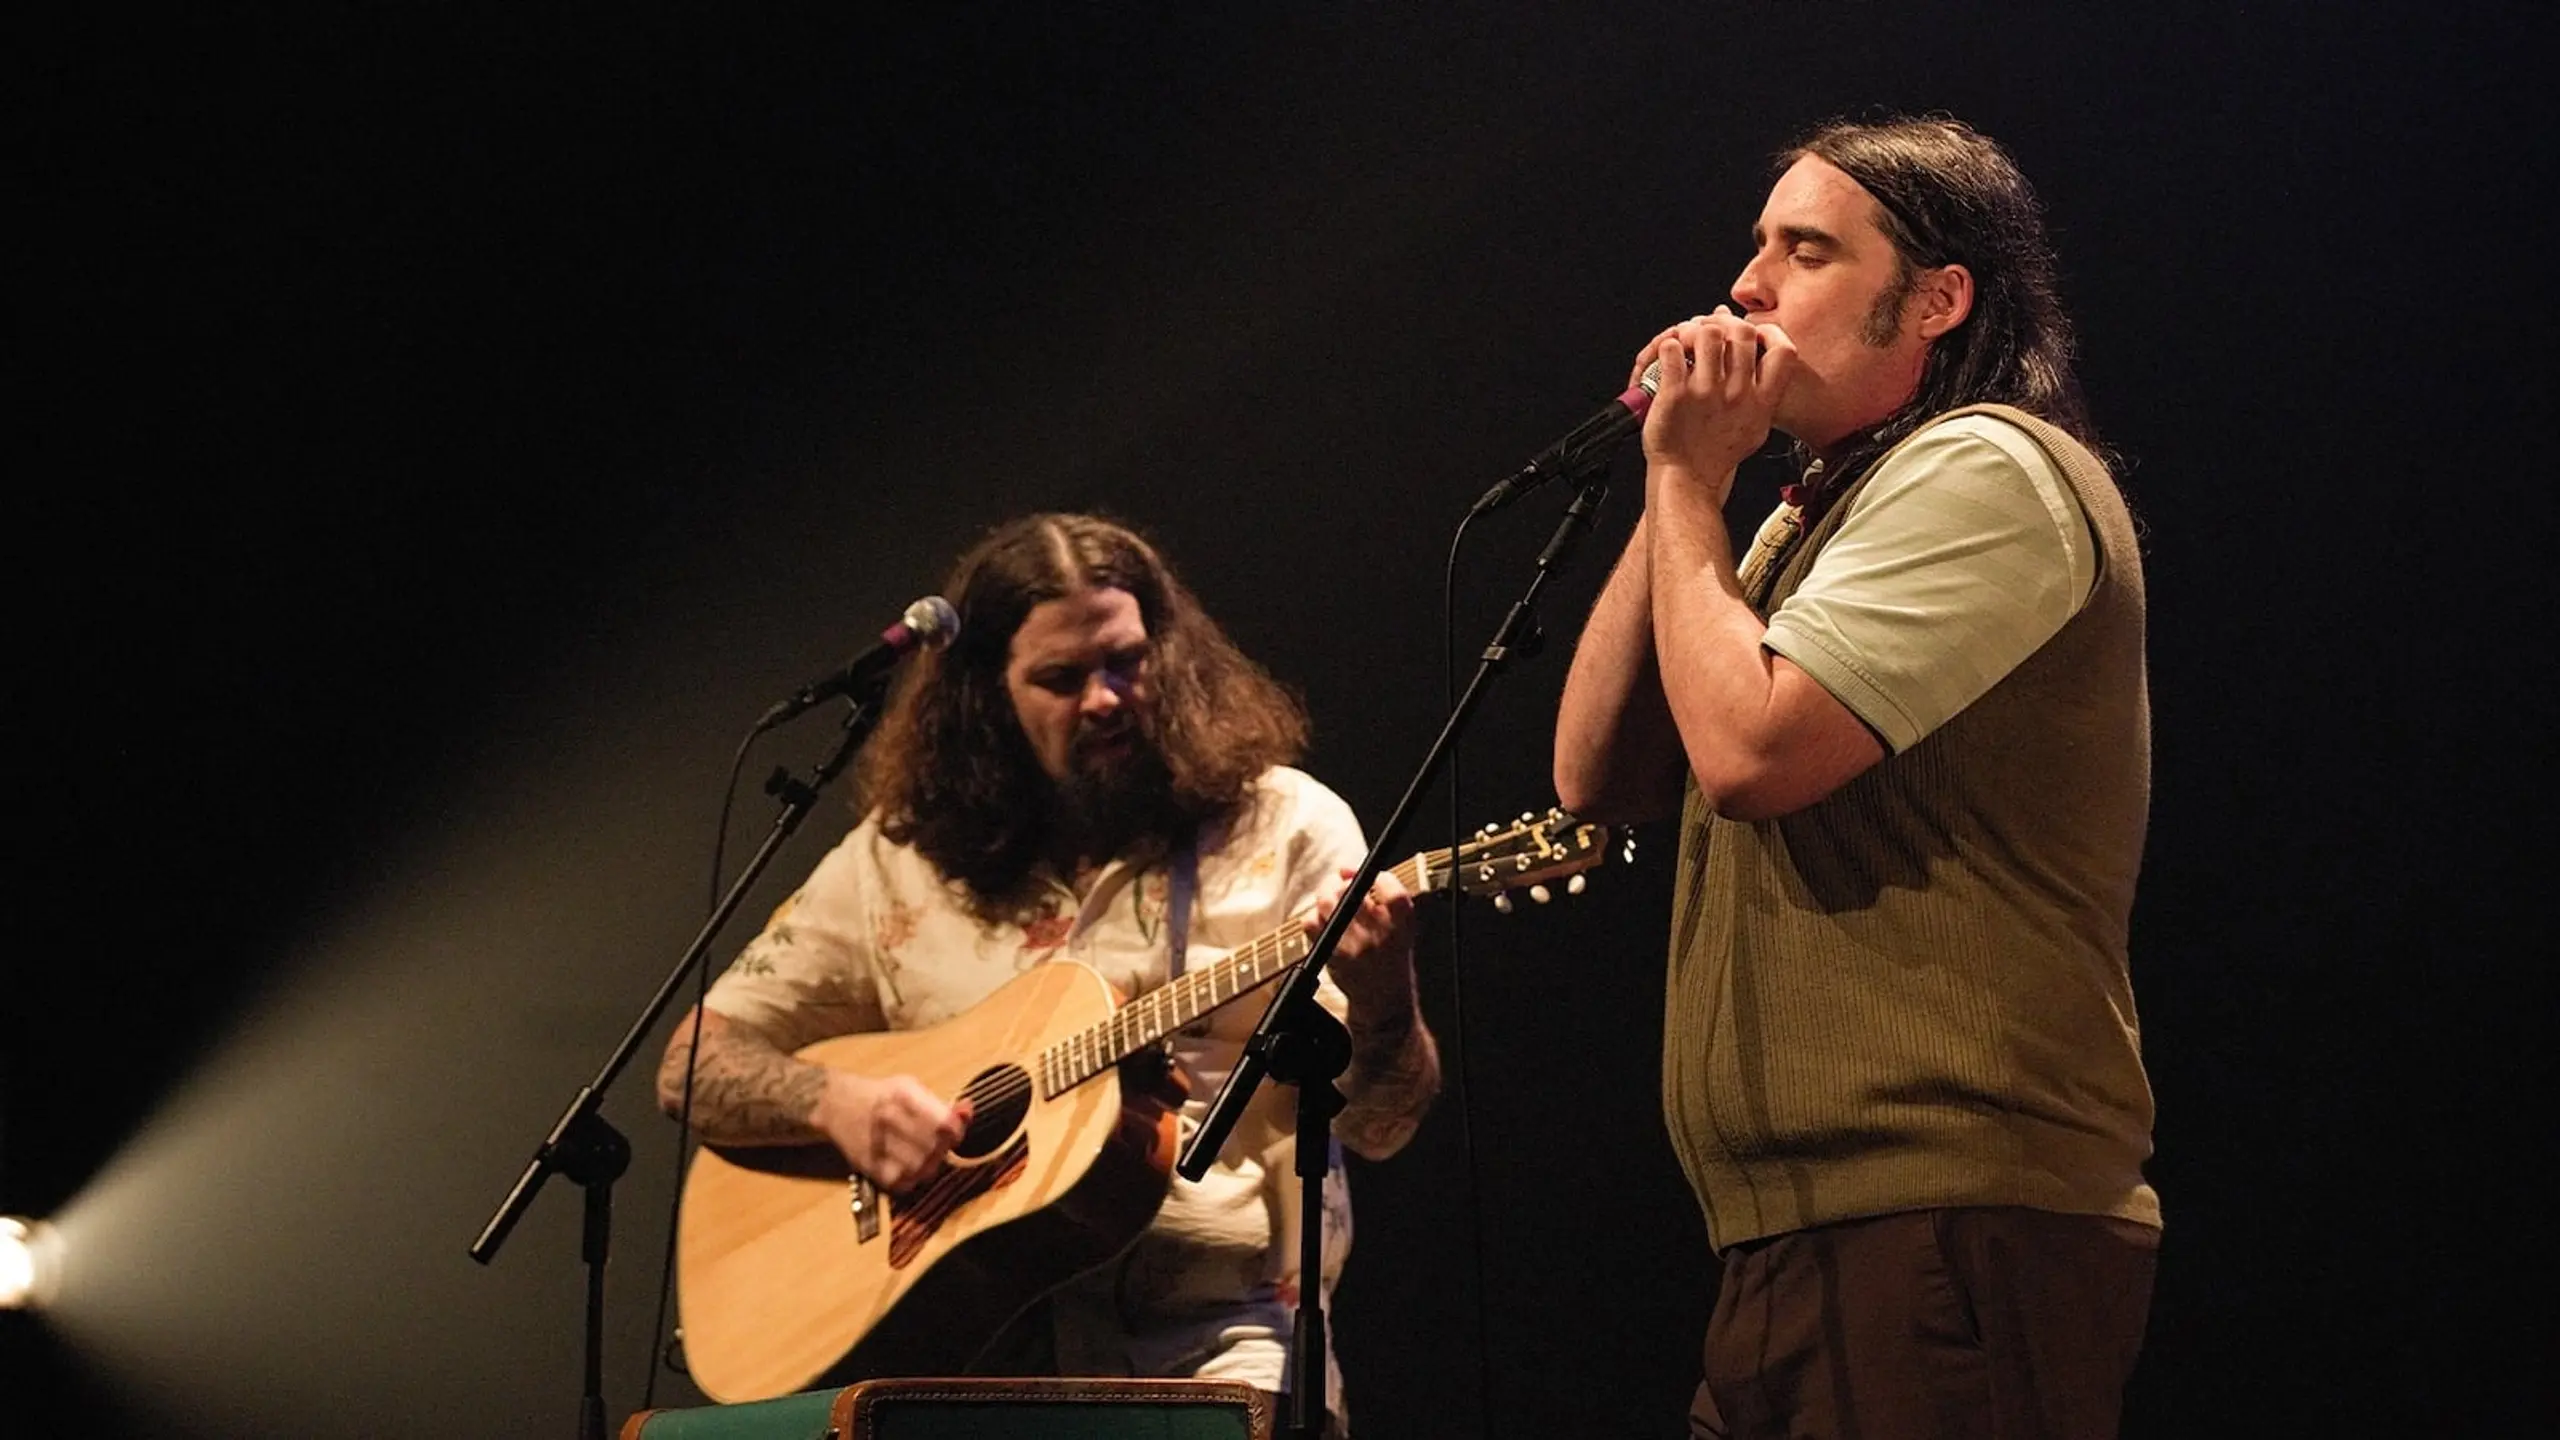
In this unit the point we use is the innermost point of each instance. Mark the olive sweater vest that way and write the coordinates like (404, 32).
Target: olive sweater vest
(1915, 992)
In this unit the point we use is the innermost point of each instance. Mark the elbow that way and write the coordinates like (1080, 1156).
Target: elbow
(1751, 790)
(1791, 754)
(676, 1065)
(1577, 791)
(1580, 768)
(1742, 787)
(1747, 806)
(1380, 1128)
(1588, 788)
(1574, 768)
(1381, 1144)
(1585, 799)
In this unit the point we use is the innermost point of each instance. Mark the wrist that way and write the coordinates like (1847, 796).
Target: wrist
(1383, 1025)
(836, 1097)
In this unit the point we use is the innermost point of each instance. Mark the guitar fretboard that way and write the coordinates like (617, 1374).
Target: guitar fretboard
(1148, 1019)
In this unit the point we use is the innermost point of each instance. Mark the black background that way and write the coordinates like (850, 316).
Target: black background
(438, 435)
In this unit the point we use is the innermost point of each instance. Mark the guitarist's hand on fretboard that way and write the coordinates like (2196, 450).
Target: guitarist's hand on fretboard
(1374, 961)
(892, 1129)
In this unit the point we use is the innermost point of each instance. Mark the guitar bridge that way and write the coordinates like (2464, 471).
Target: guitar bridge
(865, 1204)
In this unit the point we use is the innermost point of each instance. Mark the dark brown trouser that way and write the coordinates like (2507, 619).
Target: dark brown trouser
(1966, 1324)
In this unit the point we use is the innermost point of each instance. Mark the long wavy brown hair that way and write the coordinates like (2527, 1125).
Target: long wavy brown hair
(949, 771)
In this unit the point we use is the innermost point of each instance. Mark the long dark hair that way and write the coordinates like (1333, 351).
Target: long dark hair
(1951, 195)
(949, 770)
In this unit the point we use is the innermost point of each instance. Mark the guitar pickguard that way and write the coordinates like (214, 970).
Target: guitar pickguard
(915, 1220)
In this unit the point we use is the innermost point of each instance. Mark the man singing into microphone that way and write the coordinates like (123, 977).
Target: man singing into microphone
(1090, 771)
(1908, 738)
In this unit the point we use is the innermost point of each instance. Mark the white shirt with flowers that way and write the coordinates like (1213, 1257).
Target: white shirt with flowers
(878, 939)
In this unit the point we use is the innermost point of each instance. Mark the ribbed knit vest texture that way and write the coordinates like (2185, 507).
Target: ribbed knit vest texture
(1916, 991)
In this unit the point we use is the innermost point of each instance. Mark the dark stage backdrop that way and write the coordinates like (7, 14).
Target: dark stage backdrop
(437, 438)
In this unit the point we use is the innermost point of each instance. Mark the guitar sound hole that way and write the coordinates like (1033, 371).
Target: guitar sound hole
(998, 1099)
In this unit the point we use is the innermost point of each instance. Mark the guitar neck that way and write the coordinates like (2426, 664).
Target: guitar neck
(1147, 1020)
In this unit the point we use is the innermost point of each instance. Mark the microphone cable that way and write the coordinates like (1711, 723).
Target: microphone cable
(666, 1347)
(1457, 985)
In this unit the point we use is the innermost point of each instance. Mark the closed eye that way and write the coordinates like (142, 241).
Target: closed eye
(1805, 244)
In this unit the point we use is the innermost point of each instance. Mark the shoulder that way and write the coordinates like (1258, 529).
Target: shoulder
(867, 865)
(2001, 444)
(1297, 787)
(1288, 819)
(1973, 474)
(1285, 801)
(1976, 444)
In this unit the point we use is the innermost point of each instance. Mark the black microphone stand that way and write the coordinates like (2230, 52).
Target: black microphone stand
(583, 1145)
(1299, 1042)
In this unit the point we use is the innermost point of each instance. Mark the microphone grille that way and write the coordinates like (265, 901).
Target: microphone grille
(933, 621)
(1651, 384)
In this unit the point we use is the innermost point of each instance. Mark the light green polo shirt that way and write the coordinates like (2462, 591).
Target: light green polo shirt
(1955, 562)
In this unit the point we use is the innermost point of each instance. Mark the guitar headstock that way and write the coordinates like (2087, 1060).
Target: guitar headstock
(1528, 852)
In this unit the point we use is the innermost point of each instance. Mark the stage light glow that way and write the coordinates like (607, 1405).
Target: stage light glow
(30, 1263)
(280, 1249)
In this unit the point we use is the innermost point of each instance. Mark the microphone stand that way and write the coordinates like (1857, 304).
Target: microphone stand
(582, 1144)
(1299, 1042)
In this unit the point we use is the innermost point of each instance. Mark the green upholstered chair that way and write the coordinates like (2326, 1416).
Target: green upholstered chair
(808, 1416)
(979, 1409)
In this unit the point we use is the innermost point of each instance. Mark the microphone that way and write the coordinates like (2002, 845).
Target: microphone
(930, 623)
(1586, 446)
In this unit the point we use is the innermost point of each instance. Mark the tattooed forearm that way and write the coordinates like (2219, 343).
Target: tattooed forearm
(1394, 1075)
(745, 1092)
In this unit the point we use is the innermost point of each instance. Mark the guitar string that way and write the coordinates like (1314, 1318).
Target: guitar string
(1088, 1053)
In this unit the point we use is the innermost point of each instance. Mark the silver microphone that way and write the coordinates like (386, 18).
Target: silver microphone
(929, 623)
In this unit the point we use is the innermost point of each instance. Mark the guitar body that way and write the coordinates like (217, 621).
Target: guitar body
(787, 1285)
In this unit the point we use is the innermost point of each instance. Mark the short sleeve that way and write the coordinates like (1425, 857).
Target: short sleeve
(809, 975)
(1963, 554)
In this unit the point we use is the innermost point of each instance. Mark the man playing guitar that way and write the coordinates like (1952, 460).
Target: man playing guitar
(1091, 771)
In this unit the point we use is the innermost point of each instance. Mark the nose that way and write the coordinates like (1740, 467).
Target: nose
(1102, 694)
(1751, 290)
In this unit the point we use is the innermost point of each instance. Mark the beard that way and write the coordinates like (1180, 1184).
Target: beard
(1117, 796)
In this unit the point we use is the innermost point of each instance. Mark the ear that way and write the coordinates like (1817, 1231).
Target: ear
(1942, 299)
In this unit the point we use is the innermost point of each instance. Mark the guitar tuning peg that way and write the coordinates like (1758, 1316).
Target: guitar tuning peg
(1501, 903)
(1571, 887)
(1539, 894)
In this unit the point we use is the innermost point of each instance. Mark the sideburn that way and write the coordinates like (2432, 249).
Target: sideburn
(1884, 318)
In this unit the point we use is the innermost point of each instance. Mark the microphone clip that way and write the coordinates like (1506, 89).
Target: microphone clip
(928, 624)
(1583, 453)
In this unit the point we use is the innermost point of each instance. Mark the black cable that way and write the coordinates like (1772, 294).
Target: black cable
(1457, 986)
(664, 1347)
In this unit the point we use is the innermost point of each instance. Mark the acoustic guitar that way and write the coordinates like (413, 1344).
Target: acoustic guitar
(793, 1273)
